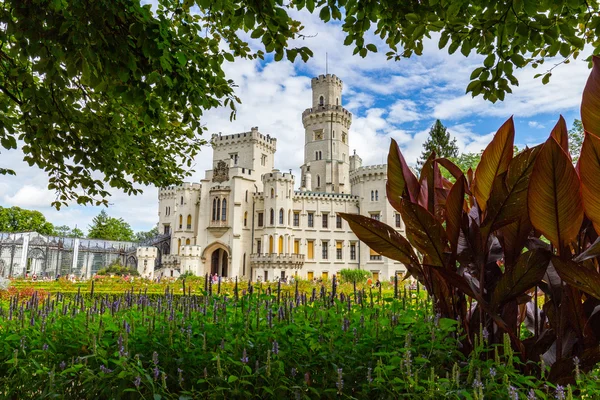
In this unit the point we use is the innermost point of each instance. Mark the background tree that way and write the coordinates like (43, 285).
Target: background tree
(66, 231)
(110, 93)
(575, 139)
(143, 236)
(16, 219)
(439, 141)
(464, 161)
(109, 228)
(117, 269)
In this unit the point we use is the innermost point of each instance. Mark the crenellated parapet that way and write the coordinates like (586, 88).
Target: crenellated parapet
(171, 192)
(279, 176)
(370, 172)
(252, 137)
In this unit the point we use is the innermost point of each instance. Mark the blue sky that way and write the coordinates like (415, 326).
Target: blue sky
(388, 99)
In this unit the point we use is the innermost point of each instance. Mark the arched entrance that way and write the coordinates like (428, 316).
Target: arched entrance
(219, 262)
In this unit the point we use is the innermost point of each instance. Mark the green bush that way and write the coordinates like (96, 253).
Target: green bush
(354, 275)
(118, 269)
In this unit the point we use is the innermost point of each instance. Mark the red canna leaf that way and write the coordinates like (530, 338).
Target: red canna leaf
(401, 180)
(528, 271)
(554, 196)
(561, 134)
(454, 211)
(589, 171)
(591, 252)
(494, 161)
(590, 102)
(508, 202)
(382, 238)
(424, 232)
(582, 276)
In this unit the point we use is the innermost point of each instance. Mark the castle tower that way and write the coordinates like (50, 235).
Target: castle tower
(326, 125)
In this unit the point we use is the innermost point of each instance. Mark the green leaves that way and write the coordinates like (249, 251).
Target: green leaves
(554, 196)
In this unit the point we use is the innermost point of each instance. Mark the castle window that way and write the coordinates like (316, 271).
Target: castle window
(376, 216)
(271, 245)
(166, 210)
(337, 101)
(296, 219)
(324, 249)
(244, 265)
(310, 247)
(333, 133)
(246, 196)
(263, 160)
(338, 222)
(344, 136)
(321, 100)
(272, 193)
(178, 246)
(181, 200)
(325, 218)
(187, 242)
(372, 195)
(258, 246)
(398, 221)
(338, 250)
(235, 158)
(280, 245)
(224, 211)
(180, 221)
(353, 251)
(318, 180)
(245, 219)
(189, 222)
(281, 217)
(167, 229)
(377, 195)
(272, 217)
(214, 210)
(373, 255)
(311, 220)
(261, 220)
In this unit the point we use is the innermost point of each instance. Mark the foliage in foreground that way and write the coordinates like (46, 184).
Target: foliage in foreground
(253, 344)
(111, 93)
(354, 275)
(490, 242)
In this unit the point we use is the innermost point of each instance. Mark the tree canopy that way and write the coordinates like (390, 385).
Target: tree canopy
(66, 231)
(439, 140)
(111, 93)
(143, 236)
(16, 219)
(110, 228)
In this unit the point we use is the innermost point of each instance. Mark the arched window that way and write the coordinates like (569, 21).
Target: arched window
(180, 221)
(280, 247)
(372, 195)
(271, 244)
(244, 265)
(320, 155)
(318, 180)
(187, 242)
(337, 101)
(272, 217)
(245, 219)
(246, 196)
(281, 217)
(178, 246)
(289, 217)
(272, 193)
(181, 200)
(189, 222)
(316, 155)
(166, 210)
(214, 213)
(224, 211)
(321, 100)
(377, 195)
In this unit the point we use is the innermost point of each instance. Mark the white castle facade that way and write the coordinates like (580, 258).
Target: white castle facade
(245, 219)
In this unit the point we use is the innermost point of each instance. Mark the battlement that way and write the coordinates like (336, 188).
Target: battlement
(173, 190)
(191, 251)
(217, 139)
(326, 109)
(146, 252)
(277, 175)
(329, 78)
(378, 171)
(321, 195)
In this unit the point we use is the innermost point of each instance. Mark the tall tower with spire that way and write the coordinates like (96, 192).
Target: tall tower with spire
(326, 125)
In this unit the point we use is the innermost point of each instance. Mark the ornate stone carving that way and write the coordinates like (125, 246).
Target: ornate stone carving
(221, 172)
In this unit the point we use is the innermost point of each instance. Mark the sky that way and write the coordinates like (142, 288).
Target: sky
(388, 99)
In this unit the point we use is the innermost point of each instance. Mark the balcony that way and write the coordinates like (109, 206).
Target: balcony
(274, 260)
(218, 228)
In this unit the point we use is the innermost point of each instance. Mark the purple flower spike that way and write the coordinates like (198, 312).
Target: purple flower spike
(137, 381)
(244, 358)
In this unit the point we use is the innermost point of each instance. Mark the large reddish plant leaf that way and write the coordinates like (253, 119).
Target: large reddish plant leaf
(554, 196)
(582, 276)
(454, 211)
(494, 161)
(591, 252)
(382, 238)
(590, 102)
(528, 271)
(401, 180)
(561, 135)
(430, 179)
(424, 232)
(589, 171)
(513, 238)
(508, 202)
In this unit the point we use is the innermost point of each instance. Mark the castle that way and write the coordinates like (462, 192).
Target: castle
(244, 219)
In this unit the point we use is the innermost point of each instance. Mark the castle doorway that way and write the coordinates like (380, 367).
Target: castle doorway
(219, 263)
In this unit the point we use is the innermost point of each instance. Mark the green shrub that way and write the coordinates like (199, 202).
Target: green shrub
(354, 275)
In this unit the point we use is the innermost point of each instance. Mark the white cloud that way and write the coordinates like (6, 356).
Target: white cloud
(29, 196)
(535, 124)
